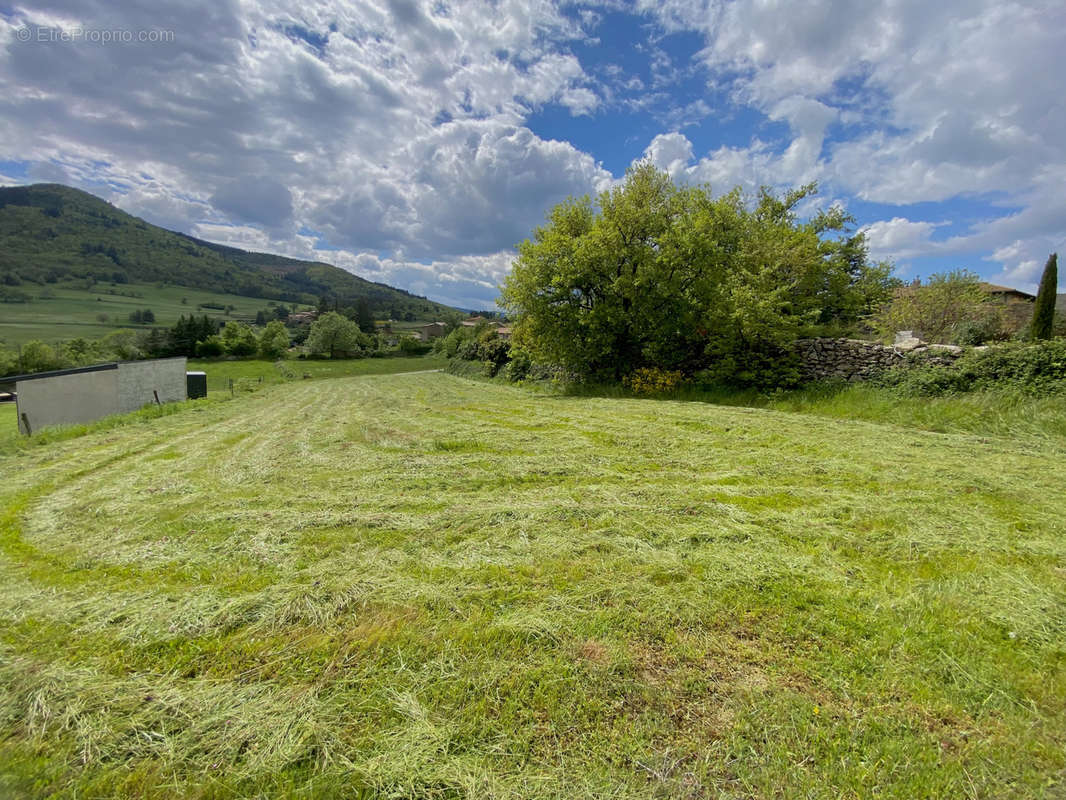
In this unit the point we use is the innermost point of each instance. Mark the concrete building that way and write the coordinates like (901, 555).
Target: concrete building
(74, 396)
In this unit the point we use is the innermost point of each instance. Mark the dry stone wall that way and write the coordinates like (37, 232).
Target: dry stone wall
(858, 360)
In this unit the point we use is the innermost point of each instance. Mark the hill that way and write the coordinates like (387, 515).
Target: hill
(56, 235)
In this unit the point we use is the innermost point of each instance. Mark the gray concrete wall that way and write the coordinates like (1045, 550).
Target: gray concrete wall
(91, 395)
(139, 380)
(67, 399)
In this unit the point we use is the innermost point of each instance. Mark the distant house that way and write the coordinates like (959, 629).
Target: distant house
(433, 330)
(1017, 305)
(504, 331)
(302, 317)
(472, 322)
(1008, 294)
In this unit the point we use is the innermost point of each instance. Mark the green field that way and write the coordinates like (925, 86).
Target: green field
(8, 424)
(73, 312)
(423, 586)
(255, 372)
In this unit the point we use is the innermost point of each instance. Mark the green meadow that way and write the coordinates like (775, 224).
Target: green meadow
(422, 586)
(249, 373)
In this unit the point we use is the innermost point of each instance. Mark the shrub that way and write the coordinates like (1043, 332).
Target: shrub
(467, 350)
(987, 326)
(652, 380)
(124, 345)
(519, 366)
(410, 346)
(211, 347)
(657, 275)
(8, 361)
(39, 357)
(1034, 369)
(495, 351)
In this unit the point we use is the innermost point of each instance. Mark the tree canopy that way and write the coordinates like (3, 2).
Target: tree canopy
(332, 333)
(653, 274)
(274, 340)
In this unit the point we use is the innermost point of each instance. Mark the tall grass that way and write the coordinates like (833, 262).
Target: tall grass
(1001, 412)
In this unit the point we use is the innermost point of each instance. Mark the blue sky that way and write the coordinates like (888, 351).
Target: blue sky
(415, 143)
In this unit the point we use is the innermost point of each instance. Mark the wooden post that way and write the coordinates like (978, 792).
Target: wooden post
(231, 387)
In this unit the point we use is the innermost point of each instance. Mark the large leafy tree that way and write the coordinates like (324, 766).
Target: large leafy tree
(332, 333)
(274, 340)
(655, 274)
(238, 339)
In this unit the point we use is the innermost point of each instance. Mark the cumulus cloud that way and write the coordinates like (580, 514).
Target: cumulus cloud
(387, 125)
(899, 238)
(933, 102)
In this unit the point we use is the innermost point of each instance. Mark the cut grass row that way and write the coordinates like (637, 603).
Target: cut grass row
(422, 586)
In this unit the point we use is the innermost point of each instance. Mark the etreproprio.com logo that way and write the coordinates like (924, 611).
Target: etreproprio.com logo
(43, 35)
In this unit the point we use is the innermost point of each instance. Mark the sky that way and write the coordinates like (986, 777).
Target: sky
(416, 143)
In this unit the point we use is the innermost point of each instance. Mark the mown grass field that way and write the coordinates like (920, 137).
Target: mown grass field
(72, 311)
(423, 586)
(256, 371)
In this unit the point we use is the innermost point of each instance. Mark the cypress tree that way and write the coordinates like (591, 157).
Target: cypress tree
(1044, 310)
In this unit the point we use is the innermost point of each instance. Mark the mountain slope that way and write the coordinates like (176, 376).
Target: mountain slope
(51, 233)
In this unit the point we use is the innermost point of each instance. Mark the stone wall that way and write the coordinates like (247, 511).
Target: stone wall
(858, 360)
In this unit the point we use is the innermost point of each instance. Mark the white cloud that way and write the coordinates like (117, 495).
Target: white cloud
(387, 125)
(935, 101)
(671, 152)
(899, 238)
(580, 101)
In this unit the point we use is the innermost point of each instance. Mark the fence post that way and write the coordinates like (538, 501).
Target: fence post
(231, 387)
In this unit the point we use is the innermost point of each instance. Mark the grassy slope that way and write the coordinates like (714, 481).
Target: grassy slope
(432, 587)
(73, 311)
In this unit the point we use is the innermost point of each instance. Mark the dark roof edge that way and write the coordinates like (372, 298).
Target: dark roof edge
(55, 373)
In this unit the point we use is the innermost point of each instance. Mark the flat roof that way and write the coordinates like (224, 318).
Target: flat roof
(55, 373)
